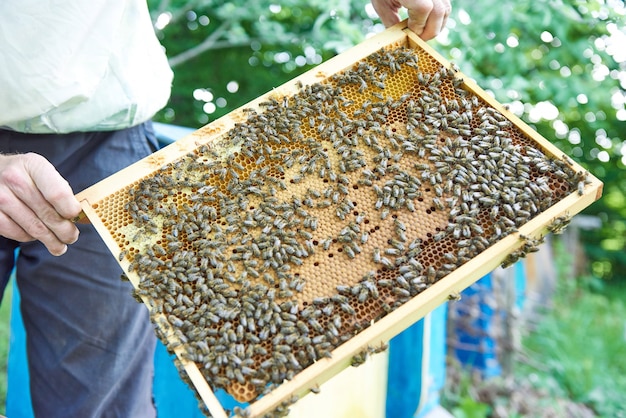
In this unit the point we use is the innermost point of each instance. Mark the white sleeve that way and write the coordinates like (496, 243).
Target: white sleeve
(78, 65)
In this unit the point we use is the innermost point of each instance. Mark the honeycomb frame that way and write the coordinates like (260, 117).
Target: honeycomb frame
(416, 225)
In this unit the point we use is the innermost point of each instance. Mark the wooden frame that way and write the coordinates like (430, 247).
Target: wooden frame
(400, 318)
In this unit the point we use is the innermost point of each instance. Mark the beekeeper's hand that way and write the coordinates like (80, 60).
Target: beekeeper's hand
(36, 202)
(427, 18)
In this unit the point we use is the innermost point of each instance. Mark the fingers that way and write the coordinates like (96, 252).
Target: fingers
(12, 229)
(36, 203)
(427, 18)
(54, 188)
(387, 11)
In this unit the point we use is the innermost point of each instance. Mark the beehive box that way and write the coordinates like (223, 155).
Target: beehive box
(287, 240)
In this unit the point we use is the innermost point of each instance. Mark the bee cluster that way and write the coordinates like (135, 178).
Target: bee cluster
(325, 211)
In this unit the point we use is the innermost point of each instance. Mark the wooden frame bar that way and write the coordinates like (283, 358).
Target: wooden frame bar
(402, 317)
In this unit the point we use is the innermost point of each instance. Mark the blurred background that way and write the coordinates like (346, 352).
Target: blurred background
(560, 65)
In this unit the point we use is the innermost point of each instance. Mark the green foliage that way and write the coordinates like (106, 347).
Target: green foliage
(580, 347)
(254, 46)
(469, 408)
(5, 327)
(576, 349)
(570, 361)
(553, 61)
(461, 398)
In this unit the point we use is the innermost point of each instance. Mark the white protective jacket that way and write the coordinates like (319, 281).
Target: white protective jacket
(79, 65)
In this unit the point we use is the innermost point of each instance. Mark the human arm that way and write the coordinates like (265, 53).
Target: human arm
(426, 17)
(36, 203)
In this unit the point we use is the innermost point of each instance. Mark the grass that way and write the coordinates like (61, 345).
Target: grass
(5, 315)
(578, 350)
(572, 361)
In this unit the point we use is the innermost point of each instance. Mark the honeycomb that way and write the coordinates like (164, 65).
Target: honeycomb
(262, 250)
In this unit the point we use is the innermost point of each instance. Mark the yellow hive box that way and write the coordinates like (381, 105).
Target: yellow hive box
(296, 235)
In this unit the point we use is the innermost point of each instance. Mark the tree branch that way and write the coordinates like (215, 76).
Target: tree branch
(176, 13)
(181, 11)
(211, 42)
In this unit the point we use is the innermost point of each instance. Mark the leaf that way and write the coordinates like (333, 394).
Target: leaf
(469, 408)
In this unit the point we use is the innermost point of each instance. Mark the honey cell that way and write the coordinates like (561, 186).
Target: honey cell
(333, 207)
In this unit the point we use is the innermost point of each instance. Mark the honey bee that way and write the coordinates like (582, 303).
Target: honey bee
(454, 296)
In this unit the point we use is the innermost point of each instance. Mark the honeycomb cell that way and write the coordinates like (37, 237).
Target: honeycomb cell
(325, 211)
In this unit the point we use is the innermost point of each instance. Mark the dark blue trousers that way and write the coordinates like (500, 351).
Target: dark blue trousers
(90, 345)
